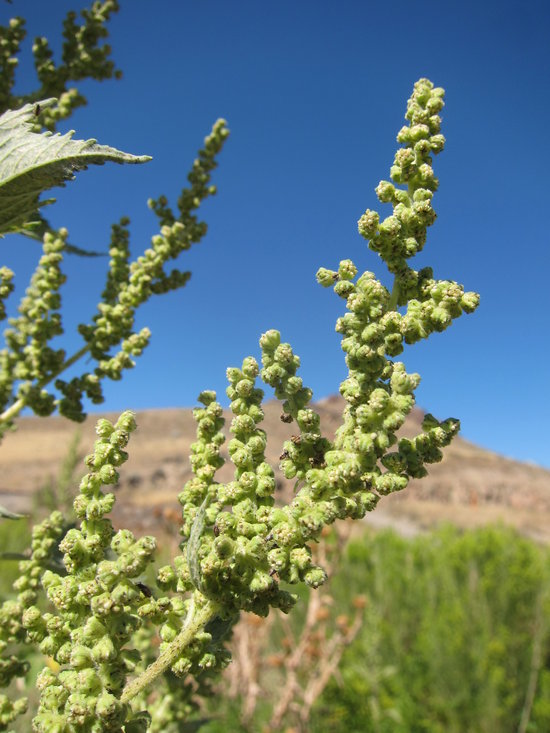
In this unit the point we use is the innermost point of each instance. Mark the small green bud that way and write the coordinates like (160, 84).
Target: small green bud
(207, 397)
(368, 224)
(389, 482)
(261, 582)
(233, 375)
(469, 302)
(344, 288)
(325, 277)
(250, 368)
(108, 474)
(347, 270)
(81, 656)
(270, 340)
(104, 428)
(104, 650)
(223, 546)
(109, 708)
(315, 577)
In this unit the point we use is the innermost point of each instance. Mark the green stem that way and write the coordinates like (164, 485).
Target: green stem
(172, 652)
(536, 664)
(394, 297)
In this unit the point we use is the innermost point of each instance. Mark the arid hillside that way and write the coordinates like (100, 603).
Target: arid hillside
(471, 486)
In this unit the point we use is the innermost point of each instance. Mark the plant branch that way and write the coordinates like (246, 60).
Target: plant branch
(19, 404)
(394, 297)
(170, 655)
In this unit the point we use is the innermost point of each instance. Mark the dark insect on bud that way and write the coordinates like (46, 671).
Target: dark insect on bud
(216, 530)
(283, 455)
(286, 418)
(147, 592)
(317, 461)
(36, 110)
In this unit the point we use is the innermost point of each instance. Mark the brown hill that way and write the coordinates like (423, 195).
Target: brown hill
(471, 486)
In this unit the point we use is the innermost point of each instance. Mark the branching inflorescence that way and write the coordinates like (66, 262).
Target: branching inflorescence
(254, 545)
(82, 57)
(240, 551)
(28, 363)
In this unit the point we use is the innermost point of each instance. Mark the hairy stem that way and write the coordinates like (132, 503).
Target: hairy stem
(394, 297)
(170, 655)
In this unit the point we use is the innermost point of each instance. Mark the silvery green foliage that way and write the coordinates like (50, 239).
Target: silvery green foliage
(238, 547)
(32, 162)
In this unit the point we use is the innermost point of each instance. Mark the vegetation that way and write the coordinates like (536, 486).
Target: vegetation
(89, 612)
(455, 637)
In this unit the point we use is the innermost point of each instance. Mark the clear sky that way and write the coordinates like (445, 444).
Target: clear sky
(314, 93)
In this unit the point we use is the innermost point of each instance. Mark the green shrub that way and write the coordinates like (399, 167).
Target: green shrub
(456, 633)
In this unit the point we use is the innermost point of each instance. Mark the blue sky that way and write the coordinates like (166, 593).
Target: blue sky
(314, 94)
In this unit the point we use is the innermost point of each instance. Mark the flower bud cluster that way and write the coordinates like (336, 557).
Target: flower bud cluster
(28, 363)
(239, 546)
(96, 603)
(83, 57)
(6, 287)
(11, 37)
(307, 449)
(129, 285)
(174, 698)
(192, 230)
(119, 263)
(253, 545)
(403, 234)
(27, 358)
(45, 537)
(205, 652)
(226, 550)
(379, 392)
(205, 461)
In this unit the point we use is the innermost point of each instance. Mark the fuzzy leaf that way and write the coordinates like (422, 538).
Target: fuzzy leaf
(32, 162)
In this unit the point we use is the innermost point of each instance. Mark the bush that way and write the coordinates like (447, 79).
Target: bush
(455, 638)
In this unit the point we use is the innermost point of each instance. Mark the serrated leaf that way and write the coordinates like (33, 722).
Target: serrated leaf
(33, 162)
